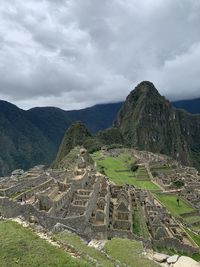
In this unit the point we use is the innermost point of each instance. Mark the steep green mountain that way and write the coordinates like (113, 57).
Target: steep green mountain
(21, 143)
(54, 121)
(149, 122)
(98, 117)
(110, 136)
(32, 137)
(78, 135)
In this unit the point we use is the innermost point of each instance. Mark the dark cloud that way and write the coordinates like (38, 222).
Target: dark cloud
(75, 53)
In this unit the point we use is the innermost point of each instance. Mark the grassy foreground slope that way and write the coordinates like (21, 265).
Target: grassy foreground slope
(21, 247)
(119, 250)
(128, 252)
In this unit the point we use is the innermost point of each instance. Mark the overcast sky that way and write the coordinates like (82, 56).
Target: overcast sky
(76, 53)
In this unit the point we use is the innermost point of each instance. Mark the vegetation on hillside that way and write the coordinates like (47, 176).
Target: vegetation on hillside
(120, 251)
(21, 247)
(128, 252)
(118, 170)
(78, 135)
(170, 202)
(74, 136)
(149, 122)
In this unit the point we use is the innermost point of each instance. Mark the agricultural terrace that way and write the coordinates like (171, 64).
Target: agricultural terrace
(118, 171)
(170, 202)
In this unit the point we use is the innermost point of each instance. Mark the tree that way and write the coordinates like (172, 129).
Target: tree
(134, 167)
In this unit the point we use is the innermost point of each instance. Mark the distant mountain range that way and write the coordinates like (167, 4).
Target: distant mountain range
(32, 137)
(191, 106)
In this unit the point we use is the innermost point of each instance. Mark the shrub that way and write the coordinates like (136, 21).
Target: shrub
(154, 173)
(178, 183)
(133, 167)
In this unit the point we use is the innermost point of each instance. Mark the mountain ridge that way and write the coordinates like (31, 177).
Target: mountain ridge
(36, 138)
(192, 105)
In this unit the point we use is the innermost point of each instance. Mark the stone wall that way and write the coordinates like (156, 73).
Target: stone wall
(98, 232)
(175, 244)
(79, 183)
(65, 200)
(106, 208)
(189, 214)
(92, 201)
(25, 184)
(29, 193)
(11, 209)
(129, 235)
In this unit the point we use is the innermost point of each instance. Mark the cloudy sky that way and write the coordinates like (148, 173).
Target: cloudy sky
(76, 53)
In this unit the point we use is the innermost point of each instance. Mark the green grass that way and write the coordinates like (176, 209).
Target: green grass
(146, 185)
(192, 219)
(196, 239)
(117, 169)
(196, 227)
(83, 249)
(96, 154)
(162, 169)
(142, 174)
(128, 252)
(21, 247)
(139, 224)
(170, 202)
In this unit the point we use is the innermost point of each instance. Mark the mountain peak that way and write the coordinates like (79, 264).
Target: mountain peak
(146, 86)
(74, 136)
(144, 89)
(148, 121)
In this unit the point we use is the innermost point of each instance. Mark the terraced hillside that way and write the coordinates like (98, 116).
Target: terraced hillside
(159, 176)
(118, 170)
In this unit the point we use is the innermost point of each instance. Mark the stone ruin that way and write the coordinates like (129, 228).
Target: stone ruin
(81, 199)
(85, 202)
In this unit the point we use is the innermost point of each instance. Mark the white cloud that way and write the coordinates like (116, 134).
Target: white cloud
(74, 53)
